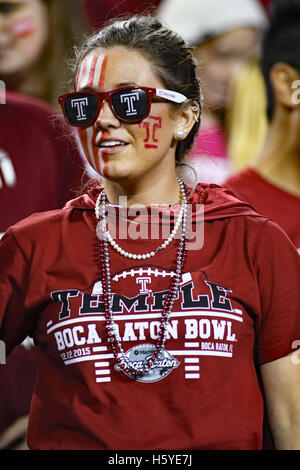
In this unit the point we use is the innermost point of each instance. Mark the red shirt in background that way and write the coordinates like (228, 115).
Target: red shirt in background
(40, 169)
(269, 200)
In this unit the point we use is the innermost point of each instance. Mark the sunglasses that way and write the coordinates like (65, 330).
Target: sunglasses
(129, 104)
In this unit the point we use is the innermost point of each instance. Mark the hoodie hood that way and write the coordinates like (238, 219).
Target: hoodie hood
(218, 202)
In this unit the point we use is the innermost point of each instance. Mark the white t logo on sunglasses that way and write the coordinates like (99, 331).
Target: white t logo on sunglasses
(129, 99)
(79, 104)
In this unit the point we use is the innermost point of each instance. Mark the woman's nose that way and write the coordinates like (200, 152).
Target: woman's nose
(106, 117)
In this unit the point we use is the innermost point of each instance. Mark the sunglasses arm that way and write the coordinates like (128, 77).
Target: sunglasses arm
(170, 95)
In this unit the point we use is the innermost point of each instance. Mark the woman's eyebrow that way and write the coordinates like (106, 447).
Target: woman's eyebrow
(119, 85)
(87, 88)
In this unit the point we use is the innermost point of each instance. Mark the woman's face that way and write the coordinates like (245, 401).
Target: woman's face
(220, 60)
(116, 150)
(23, 34)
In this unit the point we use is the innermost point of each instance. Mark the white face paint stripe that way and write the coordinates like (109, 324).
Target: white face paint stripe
(100, 161)
(89, 137)
(78, 142)
(85, 71)
(100, 158)
(84, 75)
(80, 73)
(98, 70)
(85, 157)
(97, 166)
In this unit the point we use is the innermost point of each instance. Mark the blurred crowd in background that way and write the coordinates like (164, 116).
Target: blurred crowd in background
(41, 168)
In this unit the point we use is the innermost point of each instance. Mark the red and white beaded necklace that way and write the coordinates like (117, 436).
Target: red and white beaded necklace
(105, 238)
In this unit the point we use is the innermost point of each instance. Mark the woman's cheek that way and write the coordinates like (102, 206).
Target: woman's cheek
(96, 158)
(91, 73)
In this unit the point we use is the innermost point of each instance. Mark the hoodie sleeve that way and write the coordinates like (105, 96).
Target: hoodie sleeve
(15, 322)
(278, 273)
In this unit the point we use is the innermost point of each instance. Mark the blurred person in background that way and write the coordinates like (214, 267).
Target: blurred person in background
(271, 183)
(35, 37)
(39, 170)
(40, 167)
(225, 36)
(246, 118)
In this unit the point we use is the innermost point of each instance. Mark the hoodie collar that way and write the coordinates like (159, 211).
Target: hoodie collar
(219, 202)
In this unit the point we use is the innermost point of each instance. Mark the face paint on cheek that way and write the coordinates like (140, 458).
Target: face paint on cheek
(91, 74)
(151, 125)
(97, 159)
(23, 27)
(100, 156)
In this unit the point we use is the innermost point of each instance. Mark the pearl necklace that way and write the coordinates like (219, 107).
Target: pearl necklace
(148, 255)
(113, 338)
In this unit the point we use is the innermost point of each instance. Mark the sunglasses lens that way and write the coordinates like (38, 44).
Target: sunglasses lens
(81, 108)
(130, 104)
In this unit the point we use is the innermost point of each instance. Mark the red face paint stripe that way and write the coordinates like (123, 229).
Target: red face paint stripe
(105, 164)
(105, 157)
(100, 156)
(96, 153)
(92, 71)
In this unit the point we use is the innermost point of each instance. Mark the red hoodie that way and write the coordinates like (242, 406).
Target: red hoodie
(238, 307)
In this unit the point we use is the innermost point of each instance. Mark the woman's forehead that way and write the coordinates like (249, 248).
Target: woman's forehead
(109, 68)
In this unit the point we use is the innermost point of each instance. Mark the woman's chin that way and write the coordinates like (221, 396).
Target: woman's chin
(119, 173)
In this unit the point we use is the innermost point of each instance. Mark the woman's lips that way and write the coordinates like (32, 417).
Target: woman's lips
(111, 146)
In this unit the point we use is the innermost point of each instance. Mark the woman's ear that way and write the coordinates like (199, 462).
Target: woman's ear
(282, 77)
(187, 116)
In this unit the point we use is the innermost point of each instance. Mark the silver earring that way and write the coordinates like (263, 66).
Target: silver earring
(180, 134)
(195, 110)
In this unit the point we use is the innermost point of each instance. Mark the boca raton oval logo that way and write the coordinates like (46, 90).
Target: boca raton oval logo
(142, 352)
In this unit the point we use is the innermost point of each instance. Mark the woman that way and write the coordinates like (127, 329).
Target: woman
(153, 343)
